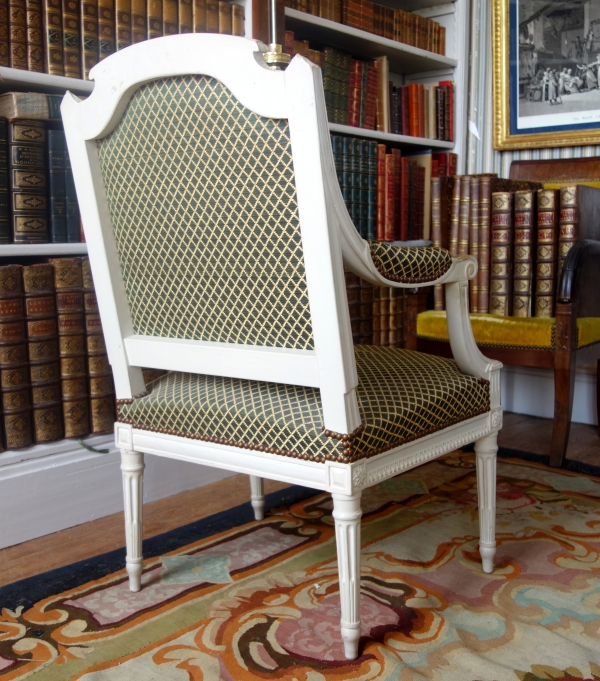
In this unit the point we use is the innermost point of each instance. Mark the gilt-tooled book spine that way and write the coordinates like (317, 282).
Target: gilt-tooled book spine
(122, 24)
(106, 28)
(35, 43)
(68, 280)
(569, 223)
(42, 341)
(4, 40)
(17, 29)
(436, 234)
(224, 18)
(362, 149)
(474, 242)
(155, 23)
(101, 386)
(483, 274)
(464, 215)
(14, 375)
(53, 38)
(501, 254)
(455, 216)
(389, 221)
(71, 38)
(372, 190)
(186, 16)
(170, 8)
(57, 150)
(139, 21)
(28, 181)
(548, 201)
(89, 36)
(199, 15)
(72, 207)
(525, 225)
(381, 190)
(381, 316)
(4, 182)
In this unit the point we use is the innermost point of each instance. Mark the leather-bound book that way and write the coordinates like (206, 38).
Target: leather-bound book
(579, 218)
(28, 181)
(548, 210)
(501, 254)
(5, 232)
(474, 211)
(525, 226)
(186, 16)
(199, 16)
(455, 216)
(224, 17)
(122, 24)
(389, 220)
(404, 197)
(372, 190)
(71, 38)
(53, 37)
(413, 109)
(44, 370)
(381, 192)
(71, 329)
(139, 21)
(57, 150)
(353, 295)
(17, 29)
(14, 376)
(170, 19)
(366, 312)
(4, 40)
(72, 207)
(464, 215)
(35, 43)
(89, 35)
(155, 22)
(376, 336)
(106, 28)
(436, 234)
(212, 16)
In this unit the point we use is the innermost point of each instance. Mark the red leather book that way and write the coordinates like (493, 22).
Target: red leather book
(354, 92)
(404, 197)
(449, 114)
(388, 232)
(421, 109)
(419, 200)
(447, 163)
(371, 103)
(380, 192)
(413, 109)
(397, 154)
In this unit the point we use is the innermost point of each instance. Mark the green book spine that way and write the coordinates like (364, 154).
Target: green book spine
(73, 232)
(4, 203)
(28, 181)
(57, 150)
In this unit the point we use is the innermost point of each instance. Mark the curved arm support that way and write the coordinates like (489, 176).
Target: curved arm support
(581, 275)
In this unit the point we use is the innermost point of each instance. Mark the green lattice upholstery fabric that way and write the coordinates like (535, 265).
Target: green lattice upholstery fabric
(409, 265)
(402, 395)
(203, 205)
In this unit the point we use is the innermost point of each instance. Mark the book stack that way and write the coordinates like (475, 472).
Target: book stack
(40, 203)
(399, 25)
(520, 234)
(359, 93)
(77, 34)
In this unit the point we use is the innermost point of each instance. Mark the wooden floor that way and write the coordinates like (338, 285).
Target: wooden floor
(90, 539)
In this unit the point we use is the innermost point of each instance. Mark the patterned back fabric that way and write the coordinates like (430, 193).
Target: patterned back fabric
(203, 205)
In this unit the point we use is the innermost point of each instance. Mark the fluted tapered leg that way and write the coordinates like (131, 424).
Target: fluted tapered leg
(132, 465)
(257, 496)
(486, 449)
(347, 514)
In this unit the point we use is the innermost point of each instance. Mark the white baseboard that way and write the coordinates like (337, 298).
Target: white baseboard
(42, 495)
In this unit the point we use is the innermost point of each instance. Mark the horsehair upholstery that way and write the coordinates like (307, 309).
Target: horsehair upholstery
(203, 205)
(402, 396)
(409, 265)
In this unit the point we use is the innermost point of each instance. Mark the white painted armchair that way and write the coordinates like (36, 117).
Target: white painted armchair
(217, 238)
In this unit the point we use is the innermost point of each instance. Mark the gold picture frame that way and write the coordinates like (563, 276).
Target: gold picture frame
(507, 85)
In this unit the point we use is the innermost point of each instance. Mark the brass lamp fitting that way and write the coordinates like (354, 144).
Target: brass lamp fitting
(276, 58)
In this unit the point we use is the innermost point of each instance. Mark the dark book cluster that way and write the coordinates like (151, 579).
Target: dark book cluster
(394, 24)
(54, 373)
(359, 93)
(520, 234)
(69, 37)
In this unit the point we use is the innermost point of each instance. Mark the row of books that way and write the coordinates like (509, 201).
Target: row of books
(520, 233)
(69, 37)
(400, 25)
(38, 203)
(55, 378)
(377, 313)
(359, 93)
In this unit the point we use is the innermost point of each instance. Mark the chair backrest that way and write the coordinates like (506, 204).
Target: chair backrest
(201, 181)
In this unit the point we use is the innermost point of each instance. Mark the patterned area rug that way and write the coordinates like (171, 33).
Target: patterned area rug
(260, 600)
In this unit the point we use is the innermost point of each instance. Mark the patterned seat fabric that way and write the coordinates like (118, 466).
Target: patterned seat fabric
(409, 265)
(402, 396)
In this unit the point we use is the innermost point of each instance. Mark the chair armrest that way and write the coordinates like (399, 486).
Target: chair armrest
(409, 265)
(580, 279)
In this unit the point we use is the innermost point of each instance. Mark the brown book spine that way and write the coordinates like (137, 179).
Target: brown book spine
(17, 29)
(376, 338)
(40, 309)
(170, 19)
(89, 36)
(71, 329)
(71, 38)
(35, 42)
(53, 38)
(353, 296)
(123, 24)
(199, 16)
(390, 199)
(501, 252)
(237, 20)
(548, 202)
(464, 215)
(366, 312)
(455, 216)
(186, 16)
(436, 234)
(525, 224)
(384, 316)
(381, 192)
(4, 39)
(485, 217)
(474, 242)
(224, 18)
(139, 21)
(212, 16)
(569, 223)
(154, 10)
(106, 28)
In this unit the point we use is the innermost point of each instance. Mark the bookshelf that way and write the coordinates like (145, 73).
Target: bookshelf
(401, 140)
(27, 81)
(49, 250)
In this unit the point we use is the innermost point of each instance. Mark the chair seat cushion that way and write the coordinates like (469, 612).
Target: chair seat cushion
(402, 395)
(409, 265)
(534, 333)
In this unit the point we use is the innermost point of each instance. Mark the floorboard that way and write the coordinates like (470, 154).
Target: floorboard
(527, 433)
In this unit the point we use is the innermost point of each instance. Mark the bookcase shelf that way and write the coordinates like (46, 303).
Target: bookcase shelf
(404, 140)
(19, 80)
(15, 456)
(19, 250)
(403, 59)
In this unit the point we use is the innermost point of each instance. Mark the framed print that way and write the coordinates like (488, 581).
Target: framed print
(546, 73)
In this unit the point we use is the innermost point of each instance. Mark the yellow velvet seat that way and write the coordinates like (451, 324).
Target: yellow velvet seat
(532, 333)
